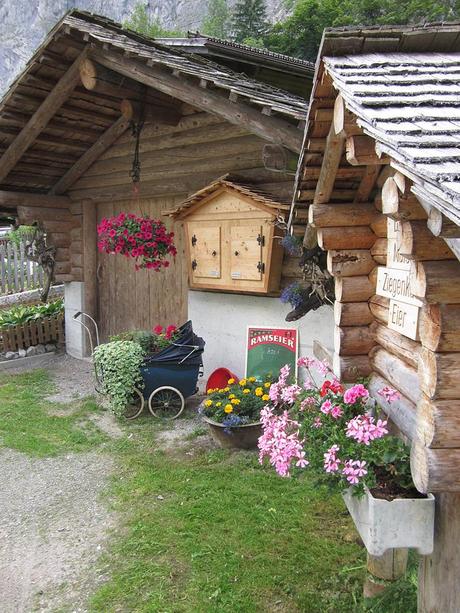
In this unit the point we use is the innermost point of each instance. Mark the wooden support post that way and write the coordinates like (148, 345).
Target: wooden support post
(440, 225)
(383, 569)
(330, 165)
(89, 236)
(436, 281)
(439, 587)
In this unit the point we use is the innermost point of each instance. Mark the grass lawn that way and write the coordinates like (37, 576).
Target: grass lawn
(203, 530)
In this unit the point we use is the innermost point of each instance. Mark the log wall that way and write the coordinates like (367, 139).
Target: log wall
(361, 236)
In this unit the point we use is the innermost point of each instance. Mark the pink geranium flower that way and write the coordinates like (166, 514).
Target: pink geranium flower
(389, 394)
(355, 393)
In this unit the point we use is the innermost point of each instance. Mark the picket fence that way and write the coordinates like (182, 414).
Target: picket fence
(17, 272)
(39, 331)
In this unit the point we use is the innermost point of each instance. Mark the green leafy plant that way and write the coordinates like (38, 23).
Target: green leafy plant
(151, 342)
(21, 234)
(19, 315)
(119, 363)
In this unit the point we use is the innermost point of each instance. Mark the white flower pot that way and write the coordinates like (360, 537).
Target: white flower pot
(384, 524)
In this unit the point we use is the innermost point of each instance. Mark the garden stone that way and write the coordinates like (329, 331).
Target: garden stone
(22, 353)
(31, 351)
(50, 347)
(40, 349)
(10, 355)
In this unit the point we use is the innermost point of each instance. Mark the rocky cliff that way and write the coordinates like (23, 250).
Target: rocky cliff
(25, 23)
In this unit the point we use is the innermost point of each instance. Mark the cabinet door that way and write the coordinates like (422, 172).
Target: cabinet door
(246, 252)
(205, 250)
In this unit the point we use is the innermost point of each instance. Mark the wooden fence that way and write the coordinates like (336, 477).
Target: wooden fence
(40, 331)
(17, 272)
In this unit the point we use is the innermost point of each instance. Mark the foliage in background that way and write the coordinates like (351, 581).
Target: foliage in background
(249, 22)
(119, 363)
(217, 21)
(142, 23)
(300, 34)
(19, 315)
(19, 234)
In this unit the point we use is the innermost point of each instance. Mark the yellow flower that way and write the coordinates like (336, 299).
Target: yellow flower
(259, 391)
(226, 389)
(243, 382)
(252, 379)
(208, 403)
(235, 401)
(267, 385)
(230, 381)
(210, 391)
(228, 408)
(265, 397)
(218, 404)
(231, 396)
(246, 390)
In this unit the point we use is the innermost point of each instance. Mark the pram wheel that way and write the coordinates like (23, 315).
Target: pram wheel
(135, 405)
(166, 402)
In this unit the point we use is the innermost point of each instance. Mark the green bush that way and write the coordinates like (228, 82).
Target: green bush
(18, 315)
(119, 363)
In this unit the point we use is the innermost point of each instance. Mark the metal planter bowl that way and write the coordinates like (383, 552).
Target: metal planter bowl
(239, 437)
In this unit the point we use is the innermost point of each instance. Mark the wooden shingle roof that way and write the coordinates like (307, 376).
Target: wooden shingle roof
(229, 183)
(410, 104)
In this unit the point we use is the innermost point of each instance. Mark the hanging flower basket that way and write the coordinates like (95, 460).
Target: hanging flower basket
(387, 524)
(144, 239)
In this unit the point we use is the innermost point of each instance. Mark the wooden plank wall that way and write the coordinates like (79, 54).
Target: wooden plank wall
(175, 161)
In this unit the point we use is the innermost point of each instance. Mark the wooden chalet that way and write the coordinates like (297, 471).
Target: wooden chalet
(67, 147)
(380, 179)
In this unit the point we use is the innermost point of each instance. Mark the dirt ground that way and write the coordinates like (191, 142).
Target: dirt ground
(55, 524)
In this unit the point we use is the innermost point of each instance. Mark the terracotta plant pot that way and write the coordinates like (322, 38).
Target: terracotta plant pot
(239, 437)
(384, 524)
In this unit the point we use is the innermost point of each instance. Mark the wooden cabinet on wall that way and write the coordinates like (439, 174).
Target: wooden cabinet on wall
(233, 244)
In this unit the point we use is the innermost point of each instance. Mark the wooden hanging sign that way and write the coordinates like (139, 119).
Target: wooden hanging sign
(403, 318)
(396, 285)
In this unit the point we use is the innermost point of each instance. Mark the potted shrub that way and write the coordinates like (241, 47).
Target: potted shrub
(233, 412)
(339, 435)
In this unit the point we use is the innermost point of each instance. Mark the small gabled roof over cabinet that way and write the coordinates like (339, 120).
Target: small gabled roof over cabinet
(232, 238)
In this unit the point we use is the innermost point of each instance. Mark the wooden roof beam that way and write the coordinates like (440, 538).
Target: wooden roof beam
(360, 151)
(41, 117)
(90, 156)
(11, 200)
(331, 161)
(273, 129)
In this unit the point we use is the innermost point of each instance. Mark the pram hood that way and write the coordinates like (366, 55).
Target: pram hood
(187, 349)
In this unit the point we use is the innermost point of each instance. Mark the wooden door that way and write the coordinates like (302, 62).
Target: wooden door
(246, 252)
(206, 247)
(139, 300)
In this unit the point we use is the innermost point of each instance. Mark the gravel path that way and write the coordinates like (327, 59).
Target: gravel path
(53, 530)
(54, 525)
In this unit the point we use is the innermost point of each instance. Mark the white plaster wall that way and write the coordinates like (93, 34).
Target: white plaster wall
(222, 319)
(74, 334)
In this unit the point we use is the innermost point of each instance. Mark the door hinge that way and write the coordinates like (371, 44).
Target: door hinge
(261, 240)
(194, 264)
(194, 239)
(261, 267)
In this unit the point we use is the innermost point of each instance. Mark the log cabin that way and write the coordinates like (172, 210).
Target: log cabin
(67, 145)
(380, 184)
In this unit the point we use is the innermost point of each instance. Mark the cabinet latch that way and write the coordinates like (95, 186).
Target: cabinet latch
(261, 240)
(194, 239)
(194, 264)
(261, 267)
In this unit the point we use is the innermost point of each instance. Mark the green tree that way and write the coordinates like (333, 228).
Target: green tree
(141, 23)
(300, 34)
(217, 21)
(249, 21)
